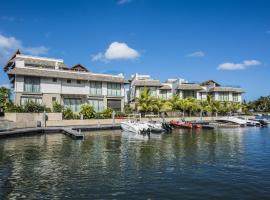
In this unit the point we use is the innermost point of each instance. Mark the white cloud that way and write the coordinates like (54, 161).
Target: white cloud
(117, 51)
(196, 54)
(121, 2)
(6, 85)
(9, 44)
(238, 66)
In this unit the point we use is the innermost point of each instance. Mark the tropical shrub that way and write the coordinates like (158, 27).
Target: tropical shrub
(4, 98)
(68, 113)
(57, 107)
(107, 113)
(31, 106)
(87, 111)
(128, 109)
(11, 107)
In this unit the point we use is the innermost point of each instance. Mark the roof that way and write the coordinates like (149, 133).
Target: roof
(165, 87)
(42, 63)
(226, 89)
(79, 67)
(150, 82)
(10, 61)
(65, 74)
(189, 87)
(209, 82)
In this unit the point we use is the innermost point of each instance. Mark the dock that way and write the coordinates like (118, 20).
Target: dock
(74, 132)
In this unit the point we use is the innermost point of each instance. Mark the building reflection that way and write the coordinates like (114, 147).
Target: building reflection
(45, 163)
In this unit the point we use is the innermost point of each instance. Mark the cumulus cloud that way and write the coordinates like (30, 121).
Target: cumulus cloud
(117, 51)
(197, 54)
(9, 44)
(121, 2)
(238, 66)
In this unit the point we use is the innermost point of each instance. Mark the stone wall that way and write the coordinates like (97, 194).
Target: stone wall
(27, 120)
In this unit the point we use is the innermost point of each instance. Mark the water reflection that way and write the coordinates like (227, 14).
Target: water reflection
(119, 165)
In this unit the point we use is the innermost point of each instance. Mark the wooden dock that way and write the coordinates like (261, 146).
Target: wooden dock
(74, 132)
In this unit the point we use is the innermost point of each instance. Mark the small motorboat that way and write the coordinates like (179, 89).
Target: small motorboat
(232, 120)
(180, 124)
(135, 127)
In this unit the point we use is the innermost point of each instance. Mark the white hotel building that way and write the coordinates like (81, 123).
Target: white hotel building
(47, 80)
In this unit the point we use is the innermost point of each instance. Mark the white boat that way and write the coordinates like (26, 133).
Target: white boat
(233, 120)
(135, 127)
(251, 122)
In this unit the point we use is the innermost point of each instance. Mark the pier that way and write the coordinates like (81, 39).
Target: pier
(74, 132)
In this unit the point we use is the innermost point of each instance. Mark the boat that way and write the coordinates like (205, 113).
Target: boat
(180, 124)
(135, 127)
(250, 122)
(233, 120)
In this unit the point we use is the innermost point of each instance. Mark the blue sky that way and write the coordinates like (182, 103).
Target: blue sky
(227, 41)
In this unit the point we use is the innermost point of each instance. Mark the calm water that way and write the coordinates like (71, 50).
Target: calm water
(222, 164)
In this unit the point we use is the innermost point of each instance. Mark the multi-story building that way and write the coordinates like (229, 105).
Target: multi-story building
(184, 89)
(139, 82)
(46, 80)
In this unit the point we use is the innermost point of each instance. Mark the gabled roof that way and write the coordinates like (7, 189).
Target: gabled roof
(10, 61)
(188, 86)
(66, 74)
(147, 82)
(165, 87)
(226, 89)
(210, 82)
(79, 67)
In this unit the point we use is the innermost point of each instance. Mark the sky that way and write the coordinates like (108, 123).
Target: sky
(227, 41)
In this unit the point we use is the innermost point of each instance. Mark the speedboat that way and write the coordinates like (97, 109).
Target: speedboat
(135, 127)
(251, 122)
(233, 120)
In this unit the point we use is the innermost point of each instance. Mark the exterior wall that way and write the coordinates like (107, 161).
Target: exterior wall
(48, 86)
(27, 120)
(47, 99)
(74, 87)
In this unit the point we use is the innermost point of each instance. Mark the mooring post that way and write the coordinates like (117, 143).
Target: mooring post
(113, 118)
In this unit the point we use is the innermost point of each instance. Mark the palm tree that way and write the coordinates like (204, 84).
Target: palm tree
(144, 101)
(173, 102)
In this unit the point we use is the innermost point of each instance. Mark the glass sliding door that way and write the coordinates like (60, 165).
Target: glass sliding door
(95, 88)
(73, 103)
(97, 104)
(31, 84)
(113, 89)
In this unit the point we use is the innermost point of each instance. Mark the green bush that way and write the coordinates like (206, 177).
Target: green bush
(128, 109)
(99, 115)
(31, 106)
(120, 114)
(57, 107)
(87, 111)
(11, 107)
(107, 113)
(68, 113)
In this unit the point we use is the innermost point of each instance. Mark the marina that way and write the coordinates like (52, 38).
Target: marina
(217, 164)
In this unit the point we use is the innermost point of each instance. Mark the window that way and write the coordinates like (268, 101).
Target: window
(74, 104)
(152, 90)
(223, 96)
(235, 97)
(95, 88)
(114, 104)
(114, 89)
(54, 79)
(189, 93)
(68, 81)
(53, 99)
(31, 84)
(163, 94)
(33, 99)
(78, 81)
(98, 105)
